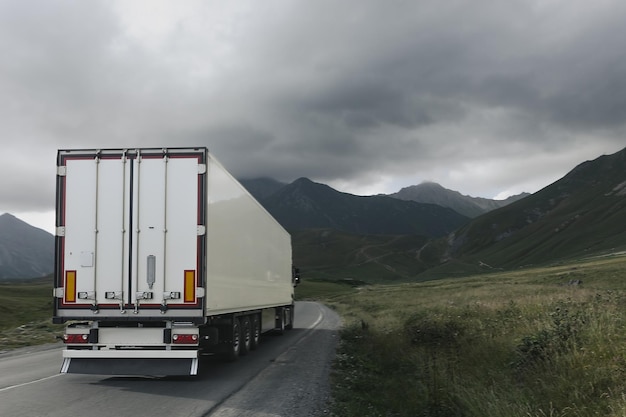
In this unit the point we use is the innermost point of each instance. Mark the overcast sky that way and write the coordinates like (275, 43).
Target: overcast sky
(489, 97)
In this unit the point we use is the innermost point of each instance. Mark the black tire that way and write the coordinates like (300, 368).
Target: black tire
(235, 341)
(246, 336)
(255, 327)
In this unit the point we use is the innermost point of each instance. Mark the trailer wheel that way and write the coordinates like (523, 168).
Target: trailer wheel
(289, 325)
(246, 336)
(281, 316)
(235, 341)
(255, 325)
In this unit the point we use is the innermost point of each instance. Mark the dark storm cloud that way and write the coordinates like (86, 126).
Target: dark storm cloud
(367, 94)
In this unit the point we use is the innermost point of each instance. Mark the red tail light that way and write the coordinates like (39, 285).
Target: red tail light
(75, 338)
(185, 339)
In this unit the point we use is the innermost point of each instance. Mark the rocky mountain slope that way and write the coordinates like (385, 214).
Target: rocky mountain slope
(426, 192)
(433, 193)
(25, 251)
(305, 204)
(262, 188)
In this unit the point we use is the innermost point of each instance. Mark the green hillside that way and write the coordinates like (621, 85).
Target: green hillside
(581, 214)
(326, 254)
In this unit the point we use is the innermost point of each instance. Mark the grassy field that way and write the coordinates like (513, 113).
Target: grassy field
(535, 342)
(540, 342)
(26, 314)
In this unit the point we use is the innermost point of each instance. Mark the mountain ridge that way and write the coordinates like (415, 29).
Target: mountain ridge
(261, 187)
(25, 251)
(578, 215)
(434, 193)
(305, 204)
(427, 192)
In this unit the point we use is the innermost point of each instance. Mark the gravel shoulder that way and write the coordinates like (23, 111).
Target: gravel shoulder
(297, 383)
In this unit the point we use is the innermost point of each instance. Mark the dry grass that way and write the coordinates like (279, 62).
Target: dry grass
(26, 315)
(522, 343)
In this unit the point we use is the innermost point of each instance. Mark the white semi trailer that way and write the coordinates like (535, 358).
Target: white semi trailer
(161, 257)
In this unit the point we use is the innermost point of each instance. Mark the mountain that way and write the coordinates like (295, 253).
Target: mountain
(378, 238)
(261, 188)
(25, 251)
(579, 215)
(305, 204)
(433, 193)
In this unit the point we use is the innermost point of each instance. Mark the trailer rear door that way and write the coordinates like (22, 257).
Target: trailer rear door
(130, 235)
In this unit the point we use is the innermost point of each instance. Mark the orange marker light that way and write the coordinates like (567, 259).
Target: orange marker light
(190, 286)
(70, 286)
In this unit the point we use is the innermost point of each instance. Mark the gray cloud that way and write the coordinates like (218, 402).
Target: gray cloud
(485, 97)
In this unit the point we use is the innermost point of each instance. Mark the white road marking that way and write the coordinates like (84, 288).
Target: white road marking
(319, 319)
(29, 383)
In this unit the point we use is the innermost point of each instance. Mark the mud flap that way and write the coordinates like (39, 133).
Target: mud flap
(131, 366)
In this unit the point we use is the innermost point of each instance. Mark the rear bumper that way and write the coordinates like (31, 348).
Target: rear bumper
(129, 354)
(130, 362)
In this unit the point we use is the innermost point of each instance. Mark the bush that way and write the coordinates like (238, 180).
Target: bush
(562, 335)
(433, 333)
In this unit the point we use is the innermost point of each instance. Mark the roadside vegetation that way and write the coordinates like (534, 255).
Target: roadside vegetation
(537, 342)
(26, 314)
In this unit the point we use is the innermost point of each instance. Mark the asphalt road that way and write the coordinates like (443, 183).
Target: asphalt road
(286, 376)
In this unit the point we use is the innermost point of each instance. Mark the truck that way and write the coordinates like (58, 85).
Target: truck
(163, 257)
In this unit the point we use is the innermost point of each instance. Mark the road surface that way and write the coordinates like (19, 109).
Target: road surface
(286, 376)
